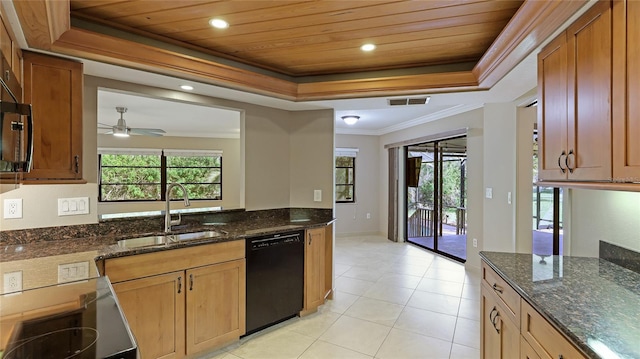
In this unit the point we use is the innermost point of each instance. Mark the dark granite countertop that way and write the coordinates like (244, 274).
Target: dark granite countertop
(23, 247)
(595, 303)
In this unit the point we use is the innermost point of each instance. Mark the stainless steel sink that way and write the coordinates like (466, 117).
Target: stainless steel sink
(166, 240)
(193, 236)
(150, 241)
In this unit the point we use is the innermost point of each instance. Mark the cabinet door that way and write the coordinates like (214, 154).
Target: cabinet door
(499, 336)
(215, 305)
(154, 307)
(526, 351)
(552, 110)
(589, 92)
(626, 91)
(314, 268)
(54, 88)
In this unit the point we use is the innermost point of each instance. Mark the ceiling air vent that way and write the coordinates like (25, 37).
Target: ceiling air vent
(409, 101)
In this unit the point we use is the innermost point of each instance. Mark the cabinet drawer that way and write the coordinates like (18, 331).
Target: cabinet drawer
(545, 340)
(148, 264)
(509, 298)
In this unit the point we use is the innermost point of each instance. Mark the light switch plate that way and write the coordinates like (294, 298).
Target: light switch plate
(73, 271)
(317, 195)
(73, 206)
(12, 208)
(488, 192)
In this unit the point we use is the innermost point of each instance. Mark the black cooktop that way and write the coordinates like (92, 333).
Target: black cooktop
(96, 329)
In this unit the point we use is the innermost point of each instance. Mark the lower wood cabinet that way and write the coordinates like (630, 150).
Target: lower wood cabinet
(314, 269)
(214, 296)
(500, 336)
(318, 268)
(531, 336)
(545, 340)
(154, 308)
(176, 303)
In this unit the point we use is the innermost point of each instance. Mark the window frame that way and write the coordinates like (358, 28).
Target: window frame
(353, 180)
(163, 174)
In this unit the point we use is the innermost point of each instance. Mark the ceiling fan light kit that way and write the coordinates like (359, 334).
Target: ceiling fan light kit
(122, 130)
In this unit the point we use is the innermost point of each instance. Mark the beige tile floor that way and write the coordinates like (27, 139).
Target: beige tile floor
(392, 301)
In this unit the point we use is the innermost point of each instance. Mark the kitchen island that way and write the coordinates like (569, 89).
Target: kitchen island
(593, 303)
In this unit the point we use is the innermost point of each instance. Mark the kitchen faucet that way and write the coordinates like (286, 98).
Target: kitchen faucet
(168, 222)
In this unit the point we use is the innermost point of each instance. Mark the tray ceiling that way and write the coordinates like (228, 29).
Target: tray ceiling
(302, 38)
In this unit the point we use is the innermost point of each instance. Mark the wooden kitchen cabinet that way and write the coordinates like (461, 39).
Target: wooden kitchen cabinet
(499, 335)
(182, 301)
(545, 340)
(214, 298)
(53, 86)
(314, 269)
(511, 328)
(154, 308)
(626, 91)
(526, 351)
(574, 89)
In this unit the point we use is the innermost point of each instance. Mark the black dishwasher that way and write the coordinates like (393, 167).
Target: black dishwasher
(275, 277)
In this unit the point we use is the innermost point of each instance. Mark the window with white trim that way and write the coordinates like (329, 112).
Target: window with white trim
(345, 170)
(143, 174)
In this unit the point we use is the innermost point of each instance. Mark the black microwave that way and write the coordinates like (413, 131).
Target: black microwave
(16, 131)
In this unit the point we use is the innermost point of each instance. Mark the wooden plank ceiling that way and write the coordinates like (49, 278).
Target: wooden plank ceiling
(301, 38)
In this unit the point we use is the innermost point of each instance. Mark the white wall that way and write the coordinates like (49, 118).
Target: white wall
(611, 216)
(311, 158)
(352, 217)
(499, 176)
(524, 178)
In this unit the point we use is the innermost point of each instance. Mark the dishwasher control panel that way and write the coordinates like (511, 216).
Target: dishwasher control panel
(275, 240)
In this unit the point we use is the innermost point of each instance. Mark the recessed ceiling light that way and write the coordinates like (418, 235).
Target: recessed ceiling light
(368, 47)
(186, 87)
(219, 23)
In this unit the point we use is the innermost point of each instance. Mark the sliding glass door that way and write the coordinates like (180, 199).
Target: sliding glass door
(436, 196)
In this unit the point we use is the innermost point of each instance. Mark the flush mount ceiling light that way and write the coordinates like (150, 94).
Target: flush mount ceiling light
(368, 47)
(186, 87)
(218, 23)
(350, 120)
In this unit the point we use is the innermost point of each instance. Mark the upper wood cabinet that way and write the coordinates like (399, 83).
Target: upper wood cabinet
(12, 69)
(626, 91)
(53, 86)
(575, 68)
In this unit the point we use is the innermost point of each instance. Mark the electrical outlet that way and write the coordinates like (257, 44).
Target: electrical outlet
(317, 195)
(13, 282)
(475, 243)
(13, 208)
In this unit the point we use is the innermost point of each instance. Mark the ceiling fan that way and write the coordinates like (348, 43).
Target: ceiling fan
(121, 129)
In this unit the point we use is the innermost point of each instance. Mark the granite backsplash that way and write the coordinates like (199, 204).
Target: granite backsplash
(623, 257)
(147, 225)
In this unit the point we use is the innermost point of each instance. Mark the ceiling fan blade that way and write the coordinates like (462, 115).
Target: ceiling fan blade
(107, 133)
(105, 127)
(105, 124)
(144, 132)
(159, 130)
